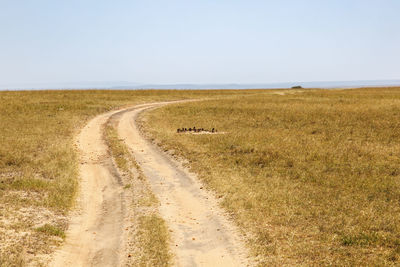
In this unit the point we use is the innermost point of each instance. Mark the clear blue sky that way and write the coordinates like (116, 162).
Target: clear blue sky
(203, 41)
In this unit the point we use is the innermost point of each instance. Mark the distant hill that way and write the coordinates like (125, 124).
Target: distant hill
(130, 85)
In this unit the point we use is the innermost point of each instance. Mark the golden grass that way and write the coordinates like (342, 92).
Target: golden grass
(153, 236)
(38, 164)
(311, 178)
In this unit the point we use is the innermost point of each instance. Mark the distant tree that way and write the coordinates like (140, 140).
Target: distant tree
(297, 87)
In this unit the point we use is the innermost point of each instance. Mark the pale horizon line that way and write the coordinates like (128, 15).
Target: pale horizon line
(232, 85)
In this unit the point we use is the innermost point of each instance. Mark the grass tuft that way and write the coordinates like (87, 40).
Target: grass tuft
(153, 236)
(51, 230)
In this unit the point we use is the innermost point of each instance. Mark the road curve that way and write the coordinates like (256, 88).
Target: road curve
(201, 234)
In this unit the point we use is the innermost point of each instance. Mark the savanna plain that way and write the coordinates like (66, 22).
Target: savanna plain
(39, 165)
(311, 177)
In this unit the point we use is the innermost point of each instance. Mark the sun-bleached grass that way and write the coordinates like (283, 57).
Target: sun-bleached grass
(153, 236)
(311, 178)
(38, 162)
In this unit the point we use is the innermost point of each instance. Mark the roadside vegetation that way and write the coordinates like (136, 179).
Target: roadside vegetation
(39, 166)
(311, 178)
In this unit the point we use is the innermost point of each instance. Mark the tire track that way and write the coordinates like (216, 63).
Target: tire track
(95, 235)
(201, 234)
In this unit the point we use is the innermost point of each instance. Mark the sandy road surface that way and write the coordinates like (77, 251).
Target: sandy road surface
(95, 236)
(201, 235)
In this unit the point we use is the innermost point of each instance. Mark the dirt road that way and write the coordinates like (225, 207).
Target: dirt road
(201, 234)
(95, 236)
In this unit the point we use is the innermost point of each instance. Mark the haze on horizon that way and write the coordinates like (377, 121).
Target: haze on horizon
(203, 42)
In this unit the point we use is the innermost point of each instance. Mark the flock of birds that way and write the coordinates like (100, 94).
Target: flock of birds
(195, 130)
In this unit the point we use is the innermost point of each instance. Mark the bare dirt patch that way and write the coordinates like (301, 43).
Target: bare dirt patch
(14, 235)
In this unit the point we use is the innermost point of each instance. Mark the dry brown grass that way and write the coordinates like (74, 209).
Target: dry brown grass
(38, 164)
(311, 178)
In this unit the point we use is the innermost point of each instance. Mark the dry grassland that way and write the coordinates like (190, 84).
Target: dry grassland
(38, 163)
(311, 178)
